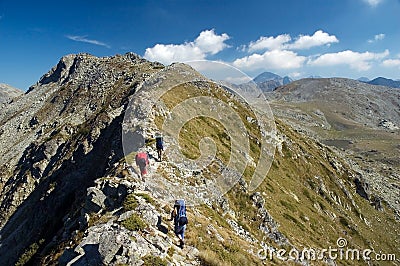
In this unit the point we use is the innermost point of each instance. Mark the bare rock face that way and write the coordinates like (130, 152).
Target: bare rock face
(59, 137)
(7, 93)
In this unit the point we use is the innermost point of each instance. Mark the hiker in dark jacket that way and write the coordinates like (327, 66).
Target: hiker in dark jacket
(159, 146)
(142, 161)
(180, 220)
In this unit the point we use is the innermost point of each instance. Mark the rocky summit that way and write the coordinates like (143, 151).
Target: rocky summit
(70, 195)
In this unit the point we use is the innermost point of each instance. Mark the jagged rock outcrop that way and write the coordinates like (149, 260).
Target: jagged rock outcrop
(106, 240)
(57, 139)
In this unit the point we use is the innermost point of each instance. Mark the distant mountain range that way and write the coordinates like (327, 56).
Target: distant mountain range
(268, 81)
(384, 82)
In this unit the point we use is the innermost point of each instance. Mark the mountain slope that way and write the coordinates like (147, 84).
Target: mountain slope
(59, 138)
(7, 92)
(69, 194)
(360, 120)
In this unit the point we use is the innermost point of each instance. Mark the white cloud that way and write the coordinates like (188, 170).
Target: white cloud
(275, 59)
(373, 3)
(85, 40)
(355, 60)
(377, 37)
(207, 43)
(282, 42)
(168, 53)
(271, 43)
(319, 38)
(391, 63)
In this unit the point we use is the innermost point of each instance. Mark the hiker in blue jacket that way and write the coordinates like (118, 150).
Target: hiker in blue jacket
(180, 220)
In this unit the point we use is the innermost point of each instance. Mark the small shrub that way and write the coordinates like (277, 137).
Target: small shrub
(307, 194)
(83, 130)
(130, 202)
(171, 251)
(134, 223)
(151, 260)
(343, 221)
(146, 197)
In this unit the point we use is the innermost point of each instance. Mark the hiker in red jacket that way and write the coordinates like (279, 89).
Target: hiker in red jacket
(142, 161)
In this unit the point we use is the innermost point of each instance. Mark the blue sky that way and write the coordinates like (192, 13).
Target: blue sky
(347, 38)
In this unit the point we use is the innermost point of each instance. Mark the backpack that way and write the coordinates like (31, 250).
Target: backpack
(141, 158)
(181, 219)
(159, 142)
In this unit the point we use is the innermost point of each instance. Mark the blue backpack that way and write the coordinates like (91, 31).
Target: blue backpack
(181, 218)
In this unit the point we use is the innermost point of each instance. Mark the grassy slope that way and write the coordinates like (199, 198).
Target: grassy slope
(308, 216)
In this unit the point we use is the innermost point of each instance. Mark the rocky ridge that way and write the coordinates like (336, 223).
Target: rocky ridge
(70, 196)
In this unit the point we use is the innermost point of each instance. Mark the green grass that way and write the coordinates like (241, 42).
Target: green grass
(134, 223)
(288, 206)
(199, 127)
(147, 197)
(151, 260)
(130, 202)
(291, 174)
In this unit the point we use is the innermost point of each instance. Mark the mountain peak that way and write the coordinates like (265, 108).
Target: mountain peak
(385, 82)
(265, 76)
(268, 81)
(74, 67)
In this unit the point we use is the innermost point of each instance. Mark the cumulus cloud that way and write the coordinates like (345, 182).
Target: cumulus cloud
(275, 59)
(373, 3)
(355, 60)
(377, 37)
(271, 43)
(391, 63)
(85, 40)
(278, 51)
(282, 42)
(319, 38)
(207, 43)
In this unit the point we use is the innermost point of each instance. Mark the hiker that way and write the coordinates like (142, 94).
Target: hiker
(142, 161)
(159, 146)
(180, 220)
